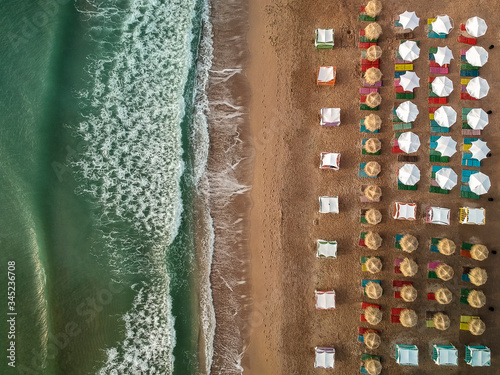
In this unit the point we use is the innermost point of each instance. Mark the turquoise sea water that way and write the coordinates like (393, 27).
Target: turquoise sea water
(99, 175)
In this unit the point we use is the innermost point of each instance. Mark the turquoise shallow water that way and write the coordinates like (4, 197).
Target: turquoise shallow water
(97, 171)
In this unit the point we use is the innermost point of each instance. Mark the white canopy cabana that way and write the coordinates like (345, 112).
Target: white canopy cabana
(479, 149)
(478, 87)
(325, 300)
(446, 178)
(477, 356)
(327, 249)
(442, 25)
(446, 146)
(330, 117)
(442, 86)
(405, 211)
(438, 215)
(407, 111)
(409, 174)
(476, 56)
(330, 160)
(409, 81)
(445, 116)
(409, 142)
(477, 119)
(409, 50)
(329, 205)
(445, 355)
(409, 20)
(407, 355)
(472, 215)
(324, 38)
(476, 27)
(443, 55)
(325, 358)
(479, 183)
(326, 74)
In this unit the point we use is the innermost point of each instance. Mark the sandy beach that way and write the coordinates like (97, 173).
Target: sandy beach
(284, 222)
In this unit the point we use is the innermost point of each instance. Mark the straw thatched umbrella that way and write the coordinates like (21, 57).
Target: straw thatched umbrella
(373, 122)
(372, 340)
(373, 8)
(445, 272)
(373, 53)
(373, 265)
(372, 76)
(477, 327)
(372, 168)
(373, 192)
(373, 145)
(441, 321)
(476, 299)
(373, 366)
(373, 31)
(446, 246)
(373, 99)
(408, 243)
(443, 296)
(479, 252)
(408, 318)
(408, 267)
(373, 240)
(408, 293)
(373, 216)
(373, 315)
(478, 276)
(373, 290)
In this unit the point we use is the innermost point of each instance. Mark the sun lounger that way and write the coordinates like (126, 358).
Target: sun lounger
(364, 152)
(465, 274)
(363, 261)
(362, 173)
(465, 320)
(405, 35)
(464, 293)
(362, 236)
(397, 263)
(434, 243)
(376, 84)
(465, 191)
(397, 238)
(465, 249)
(362, 331)
(435, 188)
(397, 285)
(364, 107)
(408, 158)
(364, 306)
(364, 17)
(395, 147)
(395, 313)
(432, 266)
(470, 41)
(365, 357)
(429, 318)
(466, 96)
(403, 126)
(432, 34)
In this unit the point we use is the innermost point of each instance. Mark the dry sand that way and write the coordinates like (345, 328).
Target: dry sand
(284, 220)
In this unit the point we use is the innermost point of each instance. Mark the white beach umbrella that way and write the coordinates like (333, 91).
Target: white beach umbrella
(409, 81)
(442, 25)
(476, 27)
(446, 146)
(479, 150)
(479, 183)
(478, 87)
(442, 86)
(409, 174)
(443, 55)
(476, 56)
(409, 50)
(477, 119)
(409, 142)
(409, 20)
(445, 116)
(407, 111)
(446, 178)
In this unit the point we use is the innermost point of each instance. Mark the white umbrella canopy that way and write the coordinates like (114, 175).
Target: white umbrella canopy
(445, 116)
(446, 178)
(442, 25)
(477, 119)
(476, 27)
(479, 150)
(476, 56)
(409, 50)
(443, 55)
(442, 86)
(407, 111)
(409, 174)
(446, 146)
(478, 87)
(479, 183)
(409, 20)
(409, 81)
(409, 142)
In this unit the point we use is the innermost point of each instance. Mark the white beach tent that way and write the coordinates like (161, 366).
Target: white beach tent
(409, 50)
(409, 174)
(325, 358)
(409, 142)
(405, 211)
(445, 355)
(477, 356)
(446, 178)
(479, 183)
(478, 87)
(329, 205)
(330, 117)
(442, 86)
(445, 116)
(438, 215)
(479, 149)
(476, 56)
(442, 25)
(324, 38)
(446, 146)
(443, 55)
(409, 81)
(325, 299)
(327, 249)
(407, 355)
(409, 20)
(330, 160)
(476, 27)
(326, 74)
(475, 216)
(477, 119)
(407, 111)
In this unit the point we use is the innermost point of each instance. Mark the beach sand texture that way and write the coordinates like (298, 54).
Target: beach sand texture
(285, 223)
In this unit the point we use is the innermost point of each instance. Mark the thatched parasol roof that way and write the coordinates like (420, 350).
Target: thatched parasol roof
(373, 366)
(373, 75)
(476, 299)
(372, 340)
(374, 53)
(373, 240)
(373, 315)
(443, 296)
(373, 216)
(445, 272)
(373, 99)
(479, 252)
(441, 321)
(373, 145)
(373, 122)
(373, 192)
(373, 8)
(408, 293)
(446, 246)
(372, 168)
(408, 267)
(478, 276)
(409, 243)
(408, 318)
(477, 327)
(373, 290)
(373, 264)
(373, 31)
